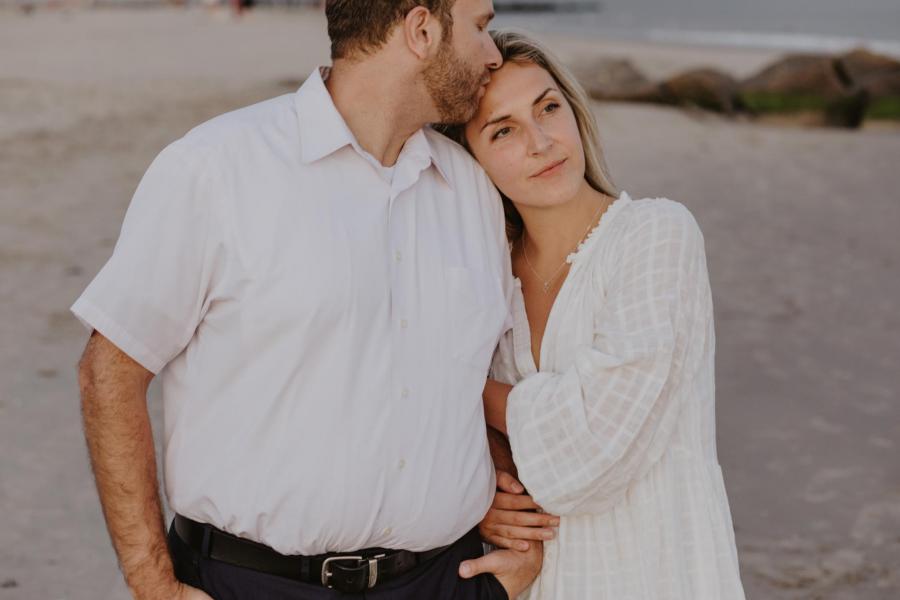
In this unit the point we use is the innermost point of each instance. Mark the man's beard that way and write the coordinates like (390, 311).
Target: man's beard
(453, 86)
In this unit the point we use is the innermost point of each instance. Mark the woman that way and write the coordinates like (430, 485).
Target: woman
(605, 384)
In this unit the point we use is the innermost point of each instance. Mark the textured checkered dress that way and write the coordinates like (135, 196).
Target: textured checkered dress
(616, 432)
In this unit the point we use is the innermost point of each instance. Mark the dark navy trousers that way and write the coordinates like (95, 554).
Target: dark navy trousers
(436, 579)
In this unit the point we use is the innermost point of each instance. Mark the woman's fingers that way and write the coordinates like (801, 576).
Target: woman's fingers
(509, 544)
(528, 519)
(507, 501)
(508, 483)
(513, 525)
(513, 532)
(520, 518)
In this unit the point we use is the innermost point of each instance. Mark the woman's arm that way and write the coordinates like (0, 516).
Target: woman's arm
(513, 518)
(495, 394)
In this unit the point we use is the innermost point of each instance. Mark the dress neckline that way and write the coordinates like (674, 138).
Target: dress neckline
(521, 330)
(591, 238)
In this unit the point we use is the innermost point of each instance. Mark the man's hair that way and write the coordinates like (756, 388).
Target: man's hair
(362, 26)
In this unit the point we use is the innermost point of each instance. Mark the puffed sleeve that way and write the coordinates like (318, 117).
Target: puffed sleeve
(150, 296)
(584, 435)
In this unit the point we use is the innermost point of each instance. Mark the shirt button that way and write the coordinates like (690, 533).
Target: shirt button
(401, 464)
(404, 393)
(398, 256)
(387, 531)
(403, 323)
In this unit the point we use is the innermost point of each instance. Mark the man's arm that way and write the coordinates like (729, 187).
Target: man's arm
(120, 443)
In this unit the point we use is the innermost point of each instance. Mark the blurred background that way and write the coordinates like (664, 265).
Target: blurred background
(777, 122)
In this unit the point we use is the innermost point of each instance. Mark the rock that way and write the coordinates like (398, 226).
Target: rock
(878, 76)
(706, 88)
(795, 82)
(860, 65)
(883, 95)
(616, 79)
(805, 83)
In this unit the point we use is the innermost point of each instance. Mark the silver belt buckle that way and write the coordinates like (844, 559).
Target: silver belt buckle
(373, 568)
(326, 575)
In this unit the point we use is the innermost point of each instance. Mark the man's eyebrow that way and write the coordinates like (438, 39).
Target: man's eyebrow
(535, 103)
(488, 17)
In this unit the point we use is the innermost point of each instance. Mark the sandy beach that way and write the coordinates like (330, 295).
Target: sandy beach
(802, 244)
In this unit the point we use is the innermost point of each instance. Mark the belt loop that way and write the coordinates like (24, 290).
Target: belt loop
(207, 537)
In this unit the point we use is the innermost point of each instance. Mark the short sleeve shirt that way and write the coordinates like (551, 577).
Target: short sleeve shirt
(322, 328)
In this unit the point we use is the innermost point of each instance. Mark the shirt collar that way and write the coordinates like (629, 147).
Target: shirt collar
(323, 130)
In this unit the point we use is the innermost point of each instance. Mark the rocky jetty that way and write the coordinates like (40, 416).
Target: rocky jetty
(841, 91)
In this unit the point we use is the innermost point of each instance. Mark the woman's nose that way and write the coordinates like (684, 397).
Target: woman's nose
(539, 141)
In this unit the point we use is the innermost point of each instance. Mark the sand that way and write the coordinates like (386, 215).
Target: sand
(801, 231)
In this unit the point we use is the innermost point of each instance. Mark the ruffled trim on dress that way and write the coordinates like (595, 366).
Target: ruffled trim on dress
(591, 238)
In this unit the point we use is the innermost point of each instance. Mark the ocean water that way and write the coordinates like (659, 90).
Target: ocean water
(803, 25)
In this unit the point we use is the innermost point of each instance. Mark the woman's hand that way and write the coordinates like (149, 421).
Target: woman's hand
(511, 520)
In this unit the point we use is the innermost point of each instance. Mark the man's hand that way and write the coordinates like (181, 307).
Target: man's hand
(513, 569)
(511, 520)
(186, 592)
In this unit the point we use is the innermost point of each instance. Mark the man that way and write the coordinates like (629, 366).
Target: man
(319, 282)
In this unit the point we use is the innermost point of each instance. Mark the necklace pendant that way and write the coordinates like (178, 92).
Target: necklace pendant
(547, 285)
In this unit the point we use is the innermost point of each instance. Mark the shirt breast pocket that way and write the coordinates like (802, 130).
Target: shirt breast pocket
(476, 313)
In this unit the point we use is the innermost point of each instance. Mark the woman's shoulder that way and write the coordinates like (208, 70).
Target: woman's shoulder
(658, 209)
(659, 216)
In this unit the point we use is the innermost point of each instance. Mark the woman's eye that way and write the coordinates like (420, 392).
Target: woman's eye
(502, 132)
(551, 107)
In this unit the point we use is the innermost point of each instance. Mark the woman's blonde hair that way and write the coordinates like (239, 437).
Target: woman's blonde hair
(520, 48)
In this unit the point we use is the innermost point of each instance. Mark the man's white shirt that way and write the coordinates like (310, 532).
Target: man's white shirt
(322, 329)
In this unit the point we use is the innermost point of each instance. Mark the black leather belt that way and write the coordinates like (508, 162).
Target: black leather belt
(348, 572)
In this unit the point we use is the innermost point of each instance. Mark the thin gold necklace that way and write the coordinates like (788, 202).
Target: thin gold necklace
(546, 284)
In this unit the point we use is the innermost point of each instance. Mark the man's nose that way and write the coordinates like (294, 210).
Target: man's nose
(495, 59)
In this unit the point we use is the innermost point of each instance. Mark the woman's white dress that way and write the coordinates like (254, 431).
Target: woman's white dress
(616, 432)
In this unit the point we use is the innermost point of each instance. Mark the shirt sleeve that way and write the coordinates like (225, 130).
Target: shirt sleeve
(586, 434)
(154, 290)
(506, 274)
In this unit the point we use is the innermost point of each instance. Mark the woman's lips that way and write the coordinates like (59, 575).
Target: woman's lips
(550, 169)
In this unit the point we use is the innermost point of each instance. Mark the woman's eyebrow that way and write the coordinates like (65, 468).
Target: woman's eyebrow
(492, 121)
(544, 93)
(505, 117)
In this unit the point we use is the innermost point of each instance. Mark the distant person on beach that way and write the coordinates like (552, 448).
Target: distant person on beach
(605, 383)
(319, 282)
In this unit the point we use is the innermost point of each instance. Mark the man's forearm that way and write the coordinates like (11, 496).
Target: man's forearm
(120, 443)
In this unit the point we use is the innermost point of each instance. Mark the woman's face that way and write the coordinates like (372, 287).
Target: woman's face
(525, 136)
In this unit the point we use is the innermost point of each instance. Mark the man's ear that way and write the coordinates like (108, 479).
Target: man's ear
(422, 32)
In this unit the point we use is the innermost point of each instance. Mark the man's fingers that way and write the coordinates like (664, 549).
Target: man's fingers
(489, 563)
(508, 483)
